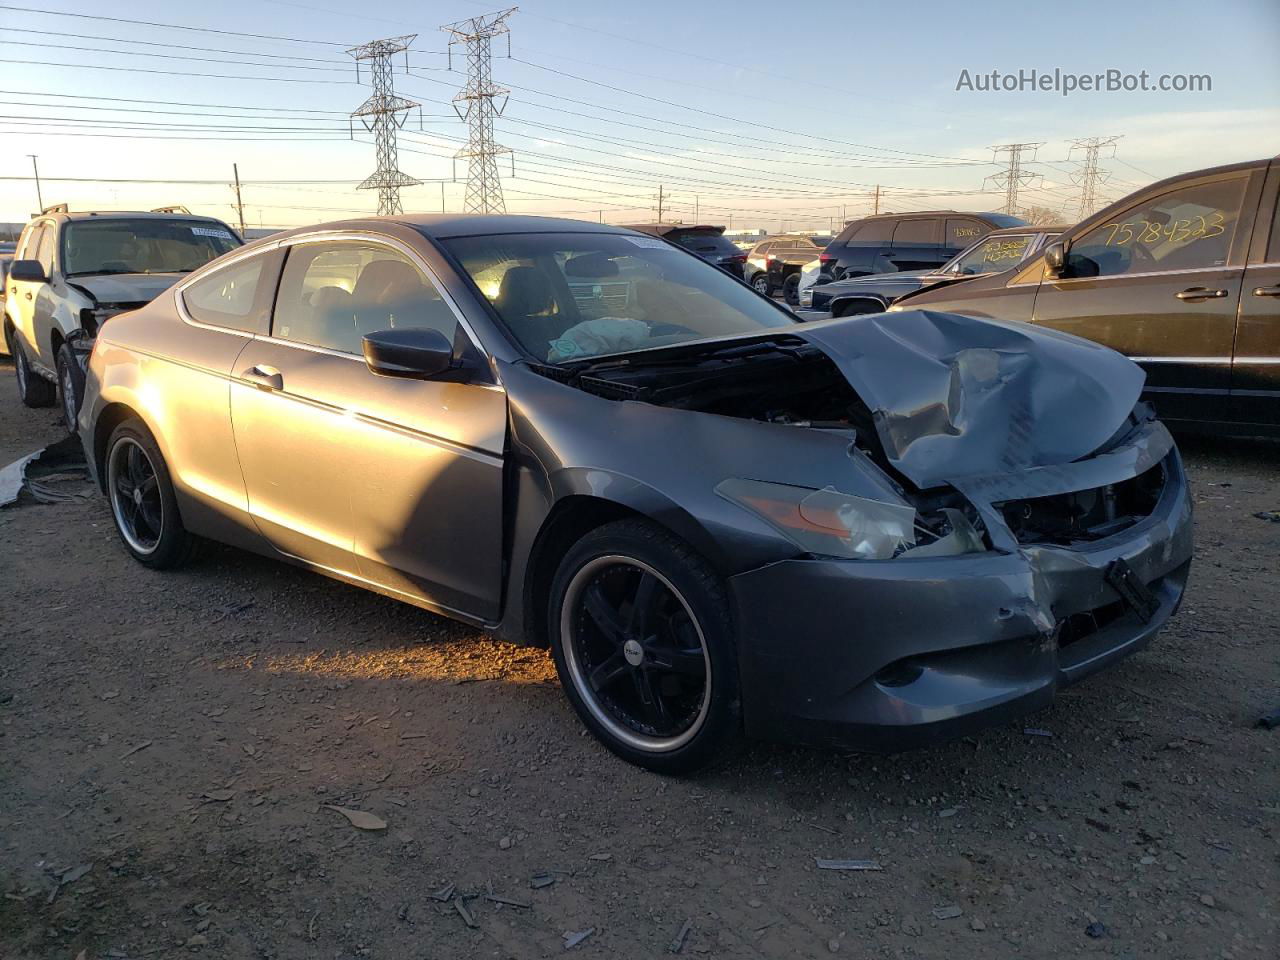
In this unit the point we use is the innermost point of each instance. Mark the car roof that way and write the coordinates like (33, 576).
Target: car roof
(663, 229)
(75, 215)
(441, 226)
(1029, 228)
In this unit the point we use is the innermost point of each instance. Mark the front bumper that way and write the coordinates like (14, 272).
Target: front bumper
(890, 655)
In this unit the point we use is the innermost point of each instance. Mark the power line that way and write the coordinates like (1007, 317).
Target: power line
(484, 188)
(167, 103)
(1013, 176)
(1091, 175)
(175, 73)
(388, 112)
(169, 26)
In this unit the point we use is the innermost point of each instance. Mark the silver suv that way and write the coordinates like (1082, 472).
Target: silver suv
(73, 271)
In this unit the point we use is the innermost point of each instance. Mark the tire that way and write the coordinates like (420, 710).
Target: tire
(760, 284)
(791, 290)
(658, 687)
(143, 504)
(33, 389)
(70, 387)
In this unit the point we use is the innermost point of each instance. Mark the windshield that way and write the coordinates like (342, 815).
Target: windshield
(565, 296)
(990, 255)
(145, 245)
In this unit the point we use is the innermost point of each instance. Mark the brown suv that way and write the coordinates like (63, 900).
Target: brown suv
(1183, 276)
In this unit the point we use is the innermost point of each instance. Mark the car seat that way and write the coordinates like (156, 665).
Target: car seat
(527, 303)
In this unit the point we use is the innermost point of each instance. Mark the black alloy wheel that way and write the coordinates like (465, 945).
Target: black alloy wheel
(643, 646)
(143, 503)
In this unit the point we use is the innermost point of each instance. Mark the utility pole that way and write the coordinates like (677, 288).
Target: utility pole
(660, 201)
(484, 189)
(383, 114)
(1013, 176)
(697, 206)
(36, 167)
(876, 208)
(235, 168)
(1090, 174)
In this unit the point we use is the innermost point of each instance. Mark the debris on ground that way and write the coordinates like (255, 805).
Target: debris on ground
(132, 750)
(218, 796)
(1271, 515)
(1270, 720)
(463, 912)
(444, 894)
(540, 880)
(846, 864)
(1037, 732)
(1096, 930)
(949, 912)
(677, 944)
(571, 939)
(360, 819)
(508, 901)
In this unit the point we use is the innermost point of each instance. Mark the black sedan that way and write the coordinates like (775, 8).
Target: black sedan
(997, 251)
(872, 532)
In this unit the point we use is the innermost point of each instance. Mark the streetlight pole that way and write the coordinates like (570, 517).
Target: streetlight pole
(36, 167)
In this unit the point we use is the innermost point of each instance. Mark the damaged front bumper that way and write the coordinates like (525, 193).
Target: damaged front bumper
(889, 655)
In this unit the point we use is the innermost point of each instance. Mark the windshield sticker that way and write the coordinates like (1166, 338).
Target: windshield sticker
(650, 243)
(212, 232)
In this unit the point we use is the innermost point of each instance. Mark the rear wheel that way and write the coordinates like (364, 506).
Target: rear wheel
(791, 290)
(760, 283)
(143, 503)
(70, 386)
(33, 389)
(643, 645)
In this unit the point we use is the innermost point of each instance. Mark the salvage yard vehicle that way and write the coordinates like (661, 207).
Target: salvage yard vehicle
(889, 242)
(874, 531)
(998, 251)
(1183, 276)
(708, 242)
(776, 260)
(74, 271)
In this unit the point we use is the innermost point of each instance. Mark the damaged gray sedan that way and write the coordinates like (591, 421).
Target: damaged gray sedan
(872, 532)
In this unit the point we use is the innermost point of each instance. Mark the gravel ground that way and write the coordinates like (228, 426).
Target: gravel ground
(173, 746)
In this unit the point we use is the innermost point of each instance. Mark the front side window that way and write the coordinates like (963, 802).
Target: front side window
(143, 245)
(991, 255)
(42, 250)
(1186, 229)
(565, 296)
(333, 294)
(227, 297)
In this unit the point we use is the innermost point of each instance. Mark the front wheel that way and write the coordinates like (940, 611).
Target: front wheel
(33, 390)
(643, 645)
(143, 503)
(70, 386)
(760, 283)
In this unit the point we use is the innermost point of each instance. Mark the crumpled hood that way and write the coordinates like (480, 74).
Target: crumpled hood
(957, 396)
(127, 287)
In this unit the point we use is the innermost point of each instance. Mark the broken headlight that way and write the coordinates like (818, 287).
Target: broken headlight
(830, 523)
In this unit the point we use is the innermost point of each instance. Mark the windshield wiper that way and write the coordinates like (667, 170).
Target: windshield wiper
(686, 355)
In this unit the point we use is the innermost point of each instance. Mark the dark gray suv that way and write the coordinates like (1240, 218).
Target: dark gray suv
(906, 241)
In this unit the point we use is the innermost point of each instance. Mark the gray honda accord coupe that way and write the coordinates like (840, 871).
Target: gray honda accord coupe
(872, 532)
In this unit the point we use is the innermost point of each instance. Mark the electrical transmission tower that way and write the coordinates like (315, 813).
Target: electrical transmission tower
(484, 189)
(1090, 175)
(383, 114)
(1013, 176)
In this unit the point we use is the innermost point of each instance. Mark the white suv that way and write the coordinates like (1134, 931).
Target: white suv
(73, 271)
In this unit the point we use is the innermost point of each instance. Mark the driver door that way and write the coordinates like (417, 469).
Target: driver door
(391, 482)
(1160, 282)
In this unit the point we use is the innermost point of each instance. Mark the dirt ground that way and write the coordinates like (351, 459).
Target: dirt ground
(172, 747)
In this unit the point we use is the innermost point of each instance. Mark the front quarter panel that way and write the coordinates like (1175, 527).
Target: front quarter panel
(175, 377)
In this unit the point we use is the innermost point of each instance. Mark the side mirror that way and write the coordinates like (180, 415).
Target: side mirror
(29, 270)
(1055, 258)
(414, 354)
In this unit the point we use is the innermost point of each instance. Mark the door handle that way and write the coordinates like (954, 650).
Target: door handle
(264, 377)
(1200, 293)
(28, 296)
(1267, 291)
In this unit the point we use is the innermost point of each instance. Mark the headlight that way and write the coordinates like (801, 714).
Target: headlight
(834, 524)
